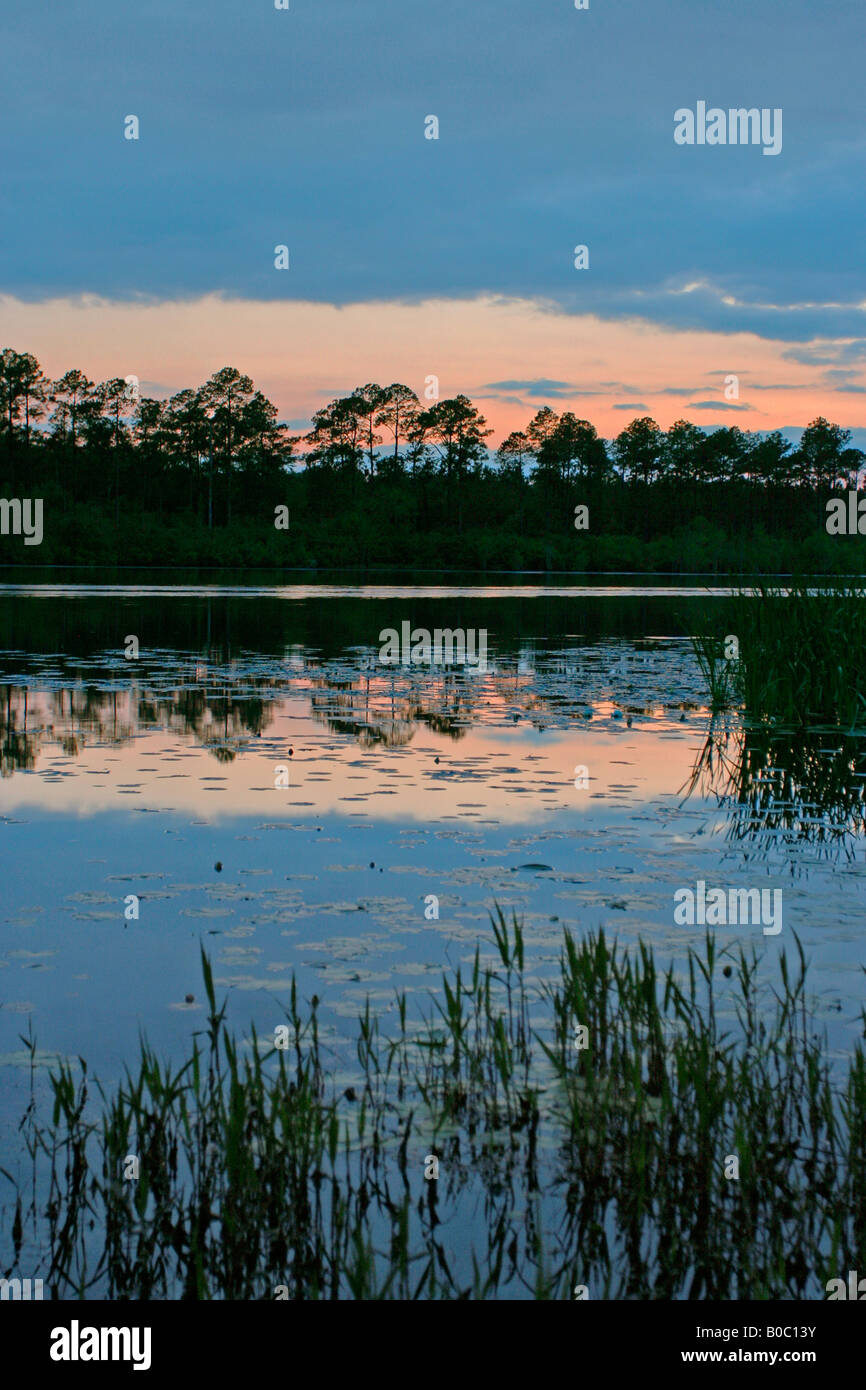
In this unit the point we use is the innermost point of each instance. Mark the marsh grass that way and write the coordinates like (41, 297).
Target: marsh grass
(786, 747)
(602, 1167)
(801, 655)
(722, 676)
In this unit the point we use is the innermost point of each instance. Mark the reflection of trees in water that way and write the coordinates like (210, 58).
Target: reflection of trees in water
(375, 706)
(18, 747)
(388, 711)
(379, 708)
(786, 788)
(223, 721)
(220, 720)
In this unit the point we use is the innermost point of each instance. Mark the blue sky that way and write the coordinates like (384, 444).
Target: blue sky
(306, 127)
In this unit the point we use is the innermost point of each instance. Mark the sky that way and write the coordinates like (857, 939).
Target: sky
(452, 257)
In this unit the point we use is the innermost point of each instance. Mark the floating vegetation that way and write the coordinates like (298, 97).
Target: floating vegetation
(603, 1131)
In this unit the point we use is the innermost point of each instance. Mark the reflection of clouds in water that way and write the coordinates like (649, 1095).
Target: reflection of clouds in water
(225, 707)
(478, 772)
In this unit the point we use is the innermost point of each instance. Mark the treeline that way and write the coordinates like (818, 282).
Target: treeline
(382, 478)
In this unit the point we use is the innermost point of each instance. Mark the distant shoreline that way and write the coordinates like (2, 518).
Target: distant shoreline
(15, 573)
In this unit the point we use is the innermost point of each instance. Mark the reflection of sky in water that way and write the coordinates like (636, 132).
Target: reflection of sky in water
(402, 784)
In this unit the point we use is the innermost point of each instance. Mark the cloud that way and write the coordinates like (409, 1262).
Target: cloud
(774, 386)
(539, 388)
(755, 385)
(751, 386)
(719, 405)
(843, 379)
(678, 390)
(318, 143)
(502, 400)
(632, 405)
(821, 354)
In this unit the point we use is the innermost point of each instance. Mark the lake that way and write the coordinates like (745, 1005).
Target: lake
(257, 781)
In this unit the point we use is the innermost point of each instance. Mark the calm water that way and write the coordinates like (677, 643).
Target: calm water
(523, 784)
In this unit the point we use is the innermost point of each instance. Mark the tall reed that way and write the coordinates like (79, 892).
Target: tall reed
(610, 1165)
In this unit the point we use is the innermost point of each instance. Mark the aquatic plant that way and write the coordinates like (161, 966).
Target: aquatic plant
(799, 654)
(490, 1149)
(721, 672)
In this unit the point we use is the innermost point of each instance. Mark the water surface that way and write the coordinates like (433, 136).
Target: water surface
(578, 780)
